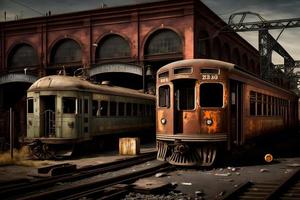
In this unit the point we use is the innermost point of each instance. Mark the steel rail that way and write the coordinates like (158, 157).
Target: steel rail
(265, 191)
(14, 190)
(93, 188)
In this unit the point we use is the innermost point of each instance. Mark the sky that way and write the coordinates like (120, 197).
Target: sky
(268, 9)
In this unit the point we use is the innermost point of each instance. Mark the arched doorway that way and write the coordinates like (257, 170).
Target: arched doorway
(119, 74)
(18, 83)
(112, 59)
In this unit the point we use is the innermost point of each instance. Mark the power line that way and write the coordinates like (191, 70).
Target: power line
(26, 6)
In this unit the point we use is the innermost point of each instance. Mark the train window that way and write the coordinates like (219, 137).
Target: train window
(113, 108)
(265, 100)
(183, 70)
(104, 108)
(121, 109)
(142, 110)
(210, 71)
(211, 95)
(274, 106)
(148, 110)
(259, 104)
(86, 106)
(30, 105)
(185, 94)
(252, 103)
(95, 108)
(128, 109)
(163, 75)
(164, 96)
(69, 105)
(269, 106)
(152, 110)
(134, 109)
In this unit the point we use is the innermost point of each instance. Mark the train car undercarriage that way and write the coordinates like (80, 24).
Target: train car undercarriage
(185, 154)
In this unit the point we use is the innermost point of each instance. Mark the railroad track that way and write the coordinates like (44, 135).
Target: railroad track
(23, 187)
(287, 189)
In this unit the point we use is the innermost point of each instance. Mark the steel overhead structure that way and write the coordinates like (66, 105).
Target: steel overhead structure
(267, 43)
(262, 24)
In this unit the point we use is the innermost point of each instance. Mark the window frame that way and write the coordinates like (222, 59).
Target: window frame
(30, 99)
(168, 104)
(223, 92)
(63, 107)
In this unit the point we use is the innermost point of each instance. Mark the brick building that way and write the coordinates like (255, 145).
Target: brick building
(125, 45)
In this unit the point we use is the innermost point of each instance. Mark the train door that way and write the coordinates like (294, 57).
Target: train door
(47, 116)
(79, 116)
(184, 97)
(236, 94)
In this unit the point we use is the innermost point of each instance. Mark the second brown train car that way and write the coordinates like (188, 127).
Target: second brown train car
(205, 106)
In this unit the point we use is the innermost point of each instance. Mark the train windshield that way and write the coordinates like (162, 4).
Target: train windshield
(211, 95)
(164, 96)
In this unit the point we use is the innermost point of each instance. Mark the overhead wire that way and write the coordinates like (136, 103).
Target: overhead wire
(26, 6)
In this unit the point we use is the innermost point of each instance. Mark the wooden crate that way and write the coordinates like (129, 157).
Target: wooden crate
(129, 146)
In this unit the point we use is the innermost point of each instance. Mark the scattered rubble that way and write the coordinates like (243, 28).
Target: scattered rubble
(172, 195)
(263, 170)
(186, 183)
(226, 174)
(160, 174)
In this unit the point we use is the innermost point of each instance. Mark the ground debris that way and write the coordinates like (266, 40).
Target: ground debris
(263, 170)
(293, 165)
(172, 195)
(160, 174)
(220, 194)
(199, 193)
(225, 174)
(186, 183)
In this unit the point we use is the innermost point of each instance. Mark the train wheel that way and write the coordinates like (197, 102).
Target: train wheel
(41, 150)
(207, 155)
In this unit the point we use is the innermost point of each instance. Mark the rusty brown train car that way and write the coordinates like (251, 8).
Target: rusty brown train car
(207, 106)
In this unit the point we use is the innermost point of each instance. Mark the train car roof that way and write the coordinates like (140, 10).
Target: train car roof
(197, 63)
(69, 83)
(219, 64)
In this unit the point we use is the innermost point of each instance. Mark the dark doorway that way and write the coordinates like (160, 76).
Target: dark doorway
(47, 118)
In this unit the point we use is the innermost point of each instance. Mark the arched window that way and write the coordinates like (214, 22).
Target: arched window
(163, 42)
(216, 52)
(22, 55)
(112, 46)
(236, 56)
(226, 52)
(203, 47)
(66, 51)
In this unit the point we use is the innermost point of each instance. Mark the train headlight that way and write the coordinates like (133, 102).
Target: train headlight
(209, 122)
(163, 121)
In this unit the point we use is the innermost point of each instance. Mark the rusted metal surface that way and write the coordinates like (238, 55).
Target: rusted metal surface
(204, 126)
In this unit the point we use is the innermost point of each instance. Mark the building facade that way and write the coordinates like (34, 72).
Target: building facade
(125, 45)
